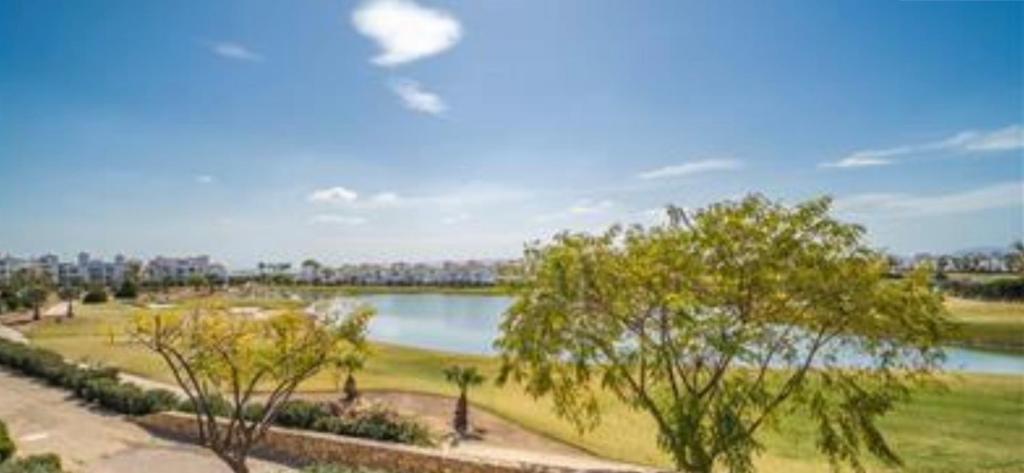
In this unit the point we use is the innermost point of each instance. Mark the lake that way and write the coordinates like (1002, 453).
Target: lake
(469, 324)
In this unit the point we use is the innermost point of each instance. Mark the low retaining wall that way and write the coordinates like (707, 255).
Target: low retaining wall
(313, 447)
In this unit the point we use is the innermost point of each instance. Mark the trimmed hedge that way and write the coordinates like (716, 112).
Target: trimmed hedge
(99, 385)
(376, 423)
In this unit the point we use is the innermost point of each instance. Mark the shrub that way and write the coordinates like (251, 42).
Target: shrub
(219, 405)
(299, 414)
(128, 290)
(376, 423)
(44, 463)
(159, 400)
(7, 447)
(96, 295)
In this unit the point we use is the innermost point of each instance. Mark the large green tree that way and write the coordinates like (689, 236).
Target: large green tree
(719, 323)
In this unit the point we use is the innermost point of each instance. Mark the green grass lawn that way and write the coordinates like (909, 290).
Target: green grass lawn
(991, 325)
(977, 424)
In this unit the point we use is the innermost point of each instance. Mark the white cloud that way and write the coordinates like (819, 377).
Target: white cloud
(455, 219)
(205, 179)
(333, 195)
(405, 31)
(972, 141)
(334, 219)
(588, 207)
(690, 168)
(235, 51)
(907, 205)
(415, 98)
(386, 198)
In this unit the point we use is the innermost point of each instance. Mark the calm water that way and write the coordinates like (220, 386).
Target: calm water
(469, 324)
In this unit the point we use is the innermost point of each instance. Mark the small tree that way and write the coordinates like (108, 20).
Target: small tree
(197, 281)
(70, 292)
(463, 377)
(33, 287)
(97, 294)
(717, 323)
(349, 364)
(129, 289)
(214, 355)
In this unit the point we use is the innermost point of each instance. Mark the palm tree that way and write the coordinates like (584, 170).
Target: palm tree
(463, 377)
(350, 364)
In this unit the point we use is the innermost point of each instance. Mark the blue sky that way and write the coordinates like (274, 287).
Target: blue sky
(388, 129)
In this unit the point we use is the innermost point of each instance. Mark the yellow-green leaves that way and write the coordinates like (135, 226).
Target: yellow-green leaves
(720, 320)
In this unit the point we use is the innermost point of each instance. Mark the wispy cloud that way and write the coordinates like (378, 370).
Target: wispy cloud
(405, 31)
(971, 141)
(1000, 195)
(333, 195)
(579, 209)
(334, 219)
(470, 195)
(455, 219)
(588, 207)
(690, 168)
(415, 98)
(205, 179)
(235, 51)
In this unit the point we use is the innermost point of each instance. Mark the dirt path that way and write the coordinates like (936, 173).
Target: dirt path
(43, 419)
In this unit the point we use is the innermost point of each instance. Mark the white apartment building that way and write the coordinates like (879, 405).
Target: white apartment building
(84, 270)
(179, 270)
(447, 273)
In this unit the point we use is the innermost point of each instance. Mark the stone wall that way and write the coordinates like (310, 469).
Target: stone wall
(313, 447)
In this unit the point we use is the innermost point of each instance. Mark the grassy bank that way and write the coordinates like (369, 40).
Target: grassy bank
(977, 425)
(990, 325)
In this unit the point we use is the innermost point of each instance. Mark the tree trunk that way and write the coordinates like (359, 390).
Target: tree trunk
(238, 466)
(350, 389)
(35, 312)
(461, 421)
(71, 308)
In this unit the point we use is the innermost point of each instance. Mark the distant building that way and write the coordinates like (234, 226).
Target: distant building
(84, 270)
(471, 273)
(179, 270)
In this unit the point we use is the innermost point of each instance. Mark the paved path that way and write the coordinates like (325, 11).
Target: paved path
(44, 419)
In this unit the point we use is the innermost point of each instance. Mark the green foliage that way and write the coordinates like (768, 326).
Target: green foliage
(44, 463)
(376, 423)
(92, 384)
(7, 447)
(95, 295)
(1003, 289)
(214, 354)
(300, 414)
(719, 322)
(463, 376)
(129, 289)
